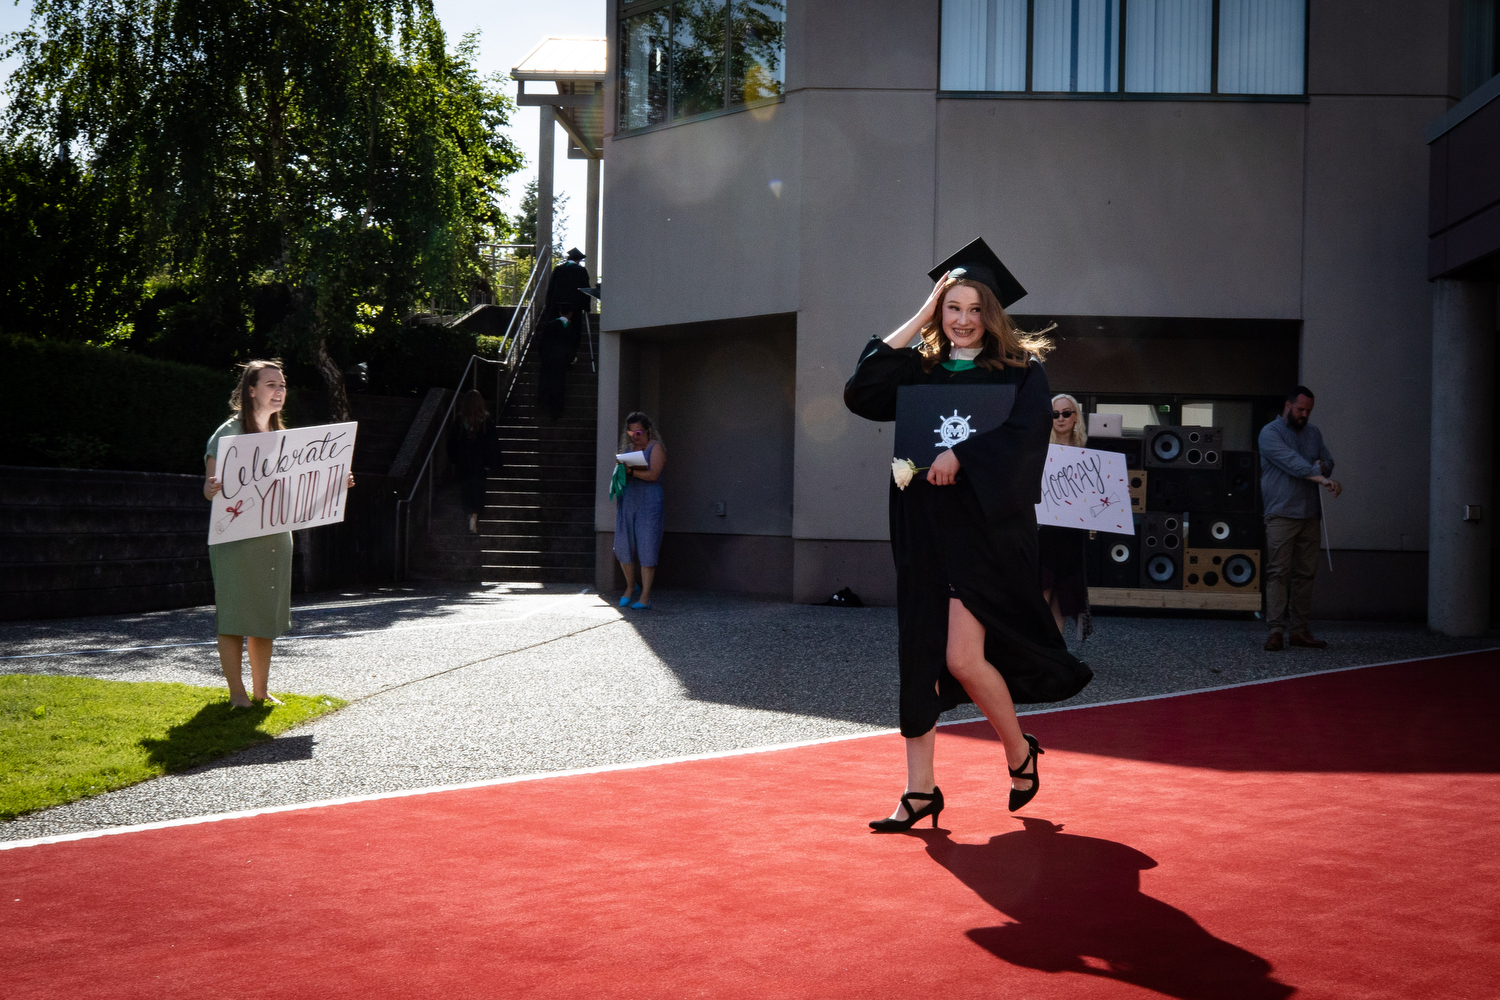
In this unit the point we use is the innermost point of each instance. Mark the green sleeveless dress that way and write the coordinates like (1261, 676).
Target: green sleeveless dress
(253, 576)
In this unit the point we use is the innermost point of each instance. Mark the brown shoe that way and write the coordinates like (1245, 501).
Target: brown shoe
(1306, 641)
(1274, 643)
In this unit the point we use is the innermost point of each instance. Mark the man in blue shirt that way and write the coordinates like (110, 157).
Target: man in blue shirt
(1294, 465)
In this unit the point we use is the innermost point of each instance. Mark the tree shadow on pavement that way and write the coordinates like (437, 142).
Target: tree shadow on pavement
(1077, 906)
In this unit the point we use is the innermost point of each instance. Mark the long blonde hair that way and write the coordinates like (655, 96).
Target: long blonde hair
(240, 403)
(638, 418)
(1079, 437)
(1004, 342)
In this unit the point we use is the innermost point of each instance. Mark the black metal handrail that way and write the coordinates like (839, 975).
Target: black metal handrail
(513, 347)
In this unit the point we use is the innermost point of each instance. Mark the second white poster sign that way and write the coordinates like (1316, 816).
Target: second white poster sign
(1085, 489)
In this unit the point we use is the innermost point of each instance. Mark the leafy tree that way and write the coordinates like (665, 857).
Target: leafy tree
(321, 165)
(70, 265)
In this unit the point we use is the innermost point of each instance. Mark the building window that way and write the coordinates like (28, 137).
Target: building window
(1481, 43)
(690, 58)
(1123, 47)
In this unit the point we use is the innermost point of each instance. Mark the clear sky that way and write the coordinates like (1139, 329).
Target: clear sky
(508, 29)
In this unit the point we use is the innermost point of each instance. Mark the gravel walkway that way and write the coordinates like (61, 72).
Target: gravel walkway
(455, 685)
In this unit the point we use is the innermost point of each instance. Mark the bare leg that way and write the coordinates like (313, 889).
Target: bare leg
(1050, 596)
(629, 570)
(985, 685)
(919, 769)
(648, 577)
(231, 648)
(260, 668)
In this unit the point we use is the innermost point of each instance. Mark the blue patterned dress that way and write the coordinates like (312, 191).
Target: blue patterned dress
(639, 520)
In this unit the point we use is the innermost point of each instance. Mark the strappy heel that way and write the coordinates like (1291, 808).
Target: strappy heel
(934, 806)
(1018, 798)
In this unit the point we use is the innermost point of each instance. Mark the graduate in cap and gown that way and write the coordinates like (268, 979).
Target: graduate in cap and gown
(973, 624)
(566, 319)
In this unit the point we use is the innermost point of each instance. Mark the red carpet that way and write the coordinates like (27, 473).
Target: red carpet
(1331, 836)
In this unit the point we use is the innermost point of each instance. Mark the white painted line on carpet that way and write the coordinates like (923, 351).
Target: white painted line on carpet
(11, 845)
(474, 622)
(638, 765)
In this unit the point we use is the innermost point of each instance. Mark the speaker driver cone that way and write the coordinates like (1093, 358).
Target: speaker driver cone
(1166, 447)
(1239, 571)
(1161, 568)
(1120, 553)
(1220, 530)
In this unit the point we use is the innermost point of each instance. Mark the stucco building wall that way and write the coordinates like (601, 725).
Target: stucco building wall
(751, 255)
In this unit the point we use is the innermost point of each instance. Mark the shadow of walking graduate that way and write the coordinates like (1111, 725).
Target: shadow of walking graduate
(1077, 906)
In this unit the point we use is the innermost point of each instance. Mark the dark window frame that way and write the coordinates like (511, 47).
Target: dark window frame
(627, 10)
(1120, 93)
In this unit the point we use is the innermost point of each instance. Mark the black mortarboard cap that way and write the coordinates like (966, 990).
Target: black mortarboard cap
(979, 263)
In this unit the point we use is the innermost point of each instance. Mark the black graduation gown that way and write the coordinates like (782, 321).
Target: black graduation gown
(1063, 560)
(564, 288)
(977, 536)
(557, 344)
(472, 455)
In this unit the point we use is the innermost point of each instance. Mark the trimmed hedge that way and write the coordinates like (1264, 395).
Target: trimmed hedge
(85, 407)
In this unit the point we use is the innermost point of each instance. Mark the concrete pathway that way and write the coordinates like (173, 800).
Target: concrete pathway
(455, 685)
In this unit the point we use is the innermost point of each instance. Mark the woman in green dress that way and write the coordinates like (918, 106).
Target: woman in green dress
(252, 576)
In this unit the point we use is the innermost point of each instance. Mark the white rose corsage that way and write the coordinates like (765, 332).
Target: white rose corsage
(902, 471)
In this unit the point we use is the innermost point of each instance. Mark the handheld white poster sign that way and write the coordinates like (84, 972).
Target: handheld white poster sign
(281, 481)
(1085, 489)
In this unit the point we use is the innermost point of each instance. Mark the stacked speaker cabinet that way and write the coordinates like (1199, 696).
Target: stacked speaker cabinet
(1225, 530)
(1129, 447)
(1139, 489)
(1222, 570)
(1241, 481)
(1182, 489)
(1196, 513)
(1114, 560)
(1183, 448)
(1161, 538)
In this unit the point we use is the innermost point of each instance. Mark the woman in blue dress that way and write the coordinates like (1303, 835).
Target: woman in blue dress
(638, 512)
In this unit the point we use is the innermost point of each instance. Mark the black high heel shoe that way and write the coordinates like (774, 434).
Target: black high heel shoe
(932, 808)
(1019, 799)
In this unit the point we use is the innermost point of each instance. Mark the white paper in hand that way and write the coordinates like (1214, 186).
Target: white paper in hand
(634, 459)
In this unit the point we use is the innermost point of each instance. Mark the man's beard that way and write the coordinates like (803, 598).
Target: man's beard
(1296, 422)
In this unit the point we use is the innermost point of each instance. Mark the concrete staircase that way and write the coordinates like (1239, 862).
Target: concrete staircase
(538, 522)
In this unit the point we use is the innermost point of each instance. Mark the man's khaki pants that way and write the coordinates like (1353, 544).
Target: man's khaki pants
(1292, 546)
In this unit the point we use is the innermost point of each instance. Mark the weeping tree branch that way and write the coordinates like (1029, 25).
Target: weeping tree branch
(335, 147)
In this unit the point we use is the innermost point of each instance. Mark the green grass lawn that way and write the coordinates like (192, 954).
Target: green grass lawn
(66, 738)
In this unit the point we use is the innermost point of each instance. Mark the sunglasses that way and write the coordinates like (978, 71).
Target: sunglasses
(1059, 414)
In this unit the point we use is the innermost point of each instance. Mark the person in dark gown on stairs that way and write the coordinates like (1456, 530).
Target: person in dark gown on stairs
(557, 345)
(973, 624)
(474, 451)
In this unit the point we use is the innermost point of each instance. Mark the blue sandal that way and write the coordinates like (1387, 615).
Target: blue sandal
(625, 601)
(638, 606)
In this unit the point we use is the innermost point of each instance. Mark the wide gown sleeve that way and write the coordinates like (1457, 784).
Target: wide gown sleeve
(1005, 464)
(880, 371)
